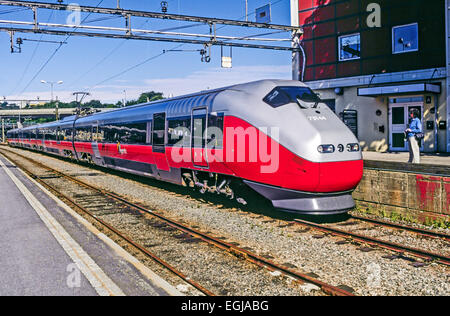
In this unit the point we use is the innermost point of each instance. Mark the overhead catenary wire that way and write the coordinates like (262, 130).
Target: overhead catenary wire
(53, 55)
(31, 60)
(104, 10)
(159, 55)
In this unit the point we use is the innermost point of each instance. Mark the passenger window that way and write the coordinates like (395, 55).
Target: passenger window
(215, 131)
(83, 134)
(123, 133)
(179, 132)
(67, 134)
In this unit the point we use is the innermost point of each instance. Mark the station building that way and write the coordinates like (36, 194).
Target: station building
(374, 60)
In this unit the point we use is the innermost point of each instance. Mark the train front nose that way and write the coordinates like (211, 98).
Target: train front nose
(339, 176)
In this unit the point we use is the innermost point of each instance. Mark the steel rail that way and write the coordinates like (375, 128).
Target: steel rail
(426, 255)
(115, 231)
(239, 252)
(145, 14)
(424, 232)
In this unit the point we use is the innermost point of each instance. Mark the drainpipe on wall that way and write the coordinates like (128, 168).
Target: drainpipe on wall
(295, 41)
(447, 45)
(436, 123)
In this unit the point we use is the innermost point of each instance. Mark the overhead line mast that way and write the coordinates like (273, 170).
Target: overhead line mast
(145, 14)
(129, 33)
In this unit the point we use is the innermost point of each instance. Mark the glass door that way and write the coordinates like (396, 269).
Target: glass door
(398, 122)
(397, 127)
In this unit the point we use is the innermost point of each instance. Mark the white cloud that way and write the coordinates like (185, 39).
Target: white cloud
(216, 78)
(200, 80)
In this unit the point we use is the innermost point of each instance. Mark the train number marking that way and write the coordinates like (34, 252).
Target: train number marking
(317, 118)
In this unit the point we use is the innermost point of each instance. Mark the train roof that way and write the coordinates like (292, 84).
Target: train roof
(174, 106)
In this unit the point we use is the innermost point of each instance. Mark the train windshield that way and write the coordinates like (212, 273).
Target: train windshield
(303, 96)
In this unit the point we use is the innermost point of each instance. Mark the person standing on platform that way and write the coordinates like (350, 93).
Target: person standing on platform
(414, 135)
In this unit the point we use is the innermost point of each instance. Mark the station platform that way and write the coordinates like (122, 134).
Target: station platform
(430, 163)
(425, 158)
(46, 249)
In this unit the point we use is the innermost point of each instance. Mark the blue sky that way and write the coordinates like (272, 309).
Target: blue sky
(98, 65)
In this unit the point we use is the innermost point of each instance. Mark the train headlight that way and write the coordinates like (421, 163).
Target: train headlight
(326, 149)
(340, 148)
(353, 147)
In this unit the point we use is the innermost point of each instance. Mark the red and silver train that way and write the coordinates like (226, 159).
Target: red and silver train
(273, 136)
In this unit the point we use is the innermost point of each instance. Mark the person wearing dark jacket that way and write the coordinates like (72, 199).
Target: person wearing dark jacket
(415, 127)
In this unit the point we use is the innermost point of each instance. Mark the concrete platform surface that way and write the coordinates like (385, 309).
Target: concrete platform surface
(47, 249)
(425, 158)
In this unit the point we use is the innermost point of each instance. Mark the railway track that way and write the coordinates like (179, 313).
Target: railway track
(99, 204)
(419, 231)
(425, 255)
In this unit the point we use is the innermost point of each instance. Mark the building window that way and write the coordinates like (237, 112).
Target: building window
(405, 38)
(349, 47)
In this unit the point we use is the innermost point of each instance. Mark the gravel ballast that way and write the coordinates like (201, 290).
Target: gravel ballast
(368, 273)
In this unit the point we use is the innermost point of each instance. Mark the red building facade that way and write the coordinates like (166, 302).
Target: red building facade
(369, 56)
(324, 21)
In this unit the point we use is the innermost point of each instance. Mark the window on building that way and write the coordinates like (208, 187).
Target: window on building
(349, 47)
(405, 38)
(331, 103)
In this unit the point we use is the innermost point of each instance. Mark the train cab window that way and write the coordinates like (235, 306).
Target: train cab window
(159, 129)
(179, 132)
(303, 96)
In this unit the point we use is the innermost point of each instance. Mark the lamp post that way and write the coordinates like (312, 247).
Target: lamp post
(52, 83)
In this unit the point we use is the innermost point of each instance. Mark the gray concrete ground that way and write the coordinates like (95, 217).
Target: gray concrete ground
(425, 158)
(33, 262)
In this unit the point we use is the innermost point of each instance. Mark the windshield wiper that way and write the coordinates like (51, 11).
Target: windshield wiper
(299, 100)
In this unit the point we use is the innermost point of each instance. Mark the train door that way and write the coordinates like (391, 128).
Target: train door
(96, 138)
(159, 129)
(199, 125)
(58, 135)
